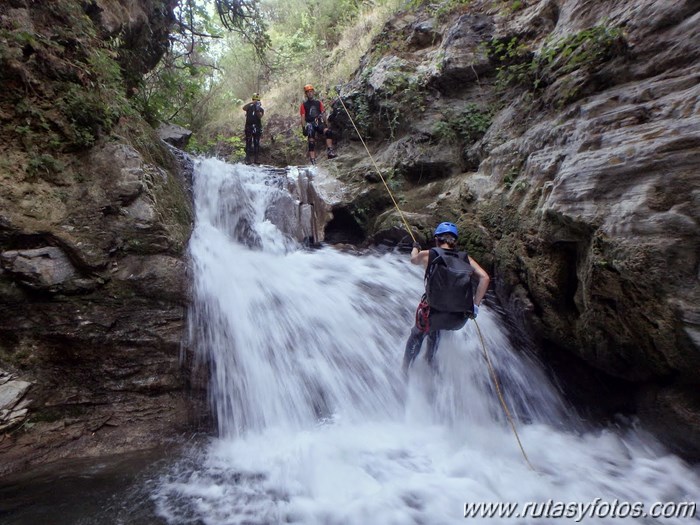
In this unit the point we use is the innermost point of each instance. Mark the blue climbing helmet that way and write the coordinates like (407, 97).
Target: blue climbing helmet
(446, 227)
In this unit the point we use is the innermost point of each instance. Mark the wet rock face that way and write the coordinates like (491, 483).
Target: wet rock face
(567, 133)
(609, 187)
(93, 291)
(143, 28)
(13, 402)
(95, 215)
(623, 199)
(92, 304)
(464, 55)
(612, 251)
(41, 268)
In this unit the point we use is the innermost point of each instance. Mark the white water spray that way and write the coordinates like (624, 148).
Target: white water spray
(316, 423)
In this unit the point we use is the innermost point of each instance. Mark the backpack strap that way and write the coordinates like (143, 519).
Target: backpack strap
(433, 255)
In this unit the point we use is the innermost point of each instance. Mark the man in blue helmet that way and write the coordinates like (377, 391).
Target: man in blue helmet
(449, 299)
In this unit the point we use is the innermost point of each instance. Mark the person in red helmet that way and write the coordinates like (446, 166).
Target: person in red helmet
(313, 124)
(449, 298)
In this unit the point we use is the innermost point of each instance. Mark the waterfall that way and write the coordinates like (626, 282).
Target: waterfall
(316, 423)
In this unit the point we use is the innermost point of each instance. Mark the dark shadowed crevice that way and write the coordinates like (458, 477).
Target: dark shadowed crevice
(423, 172)
(593, 393)
(565, 256)
(343, 228)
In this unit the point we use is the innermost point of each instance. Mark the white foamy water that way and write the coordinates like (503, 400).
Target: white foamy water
(317, 425)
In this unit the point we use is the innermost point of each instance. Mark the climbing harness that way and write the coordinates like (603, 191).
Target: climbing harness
(422, 322)
(500, 394)
(423, 315)
(376, 168)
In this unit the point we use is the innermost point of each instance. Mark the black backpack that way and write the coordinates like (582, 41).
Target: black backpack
(448, 281)
(251, 113)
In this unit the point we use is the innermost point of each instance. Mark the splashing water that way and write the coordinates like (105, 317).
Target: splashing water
(318, 426)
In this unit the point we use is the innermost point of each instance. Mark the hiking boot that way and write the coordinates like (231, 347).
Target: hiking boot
(313, 161)
(331, 153)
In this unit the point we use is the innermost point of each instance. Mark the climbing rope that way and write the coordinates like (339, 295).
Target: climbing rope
(376, 168)
(481, 338)
(500, 395)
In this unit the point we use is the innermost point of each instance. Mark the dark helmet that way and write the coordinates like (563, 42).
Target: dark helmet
(446, 227)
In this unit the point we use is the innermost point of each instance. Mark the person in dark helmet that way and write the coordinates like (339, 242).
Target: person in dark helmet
(449, 299)
(253, 128)
(313, 124)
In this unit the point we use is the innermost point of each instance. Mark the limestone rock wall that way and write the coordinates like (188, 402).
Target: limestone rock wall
(95, 215)
(92, 304)
(563, 137)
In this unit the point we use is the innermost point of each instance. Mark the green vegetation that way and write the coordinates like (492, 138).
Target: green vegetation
(232, 148)
(442, 9)
(69, 87)
(403, 96)
(467, 126)
(203, 87)
(518, 65)
(587, 49)
(511, 6)
(44, 164)
(86, 95)
(590, 46)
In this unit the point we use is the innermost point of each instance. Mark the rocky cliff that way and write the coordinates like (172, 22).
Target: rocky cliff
(563, 137)
(94, 221)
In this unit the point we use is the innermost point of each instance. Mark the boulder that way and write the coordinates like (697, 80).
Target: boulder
(39, 268)
(175, 135)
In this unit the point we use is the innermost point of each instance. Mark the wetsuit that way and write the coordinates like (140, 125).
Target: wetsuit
(430, 321)
(438, 321)
(253, 129)
(312, 111)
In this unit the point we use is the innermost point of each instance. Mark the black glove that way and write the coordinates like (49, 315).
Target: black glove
(475, 312)
(303, 131)
(416, 245)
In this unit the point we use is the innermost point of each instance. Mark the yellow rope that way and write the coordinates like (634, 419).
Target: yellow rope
(500, 395)
(377, 170)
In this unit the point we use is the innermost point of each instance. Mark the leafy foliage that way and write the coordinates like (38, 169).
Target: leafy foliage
(467, 126)
(587, 49)
(83, 94)
(440, 9)
(244, 18)
(515, 63)
(311, 41)
(186, 80)
(233, 148)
